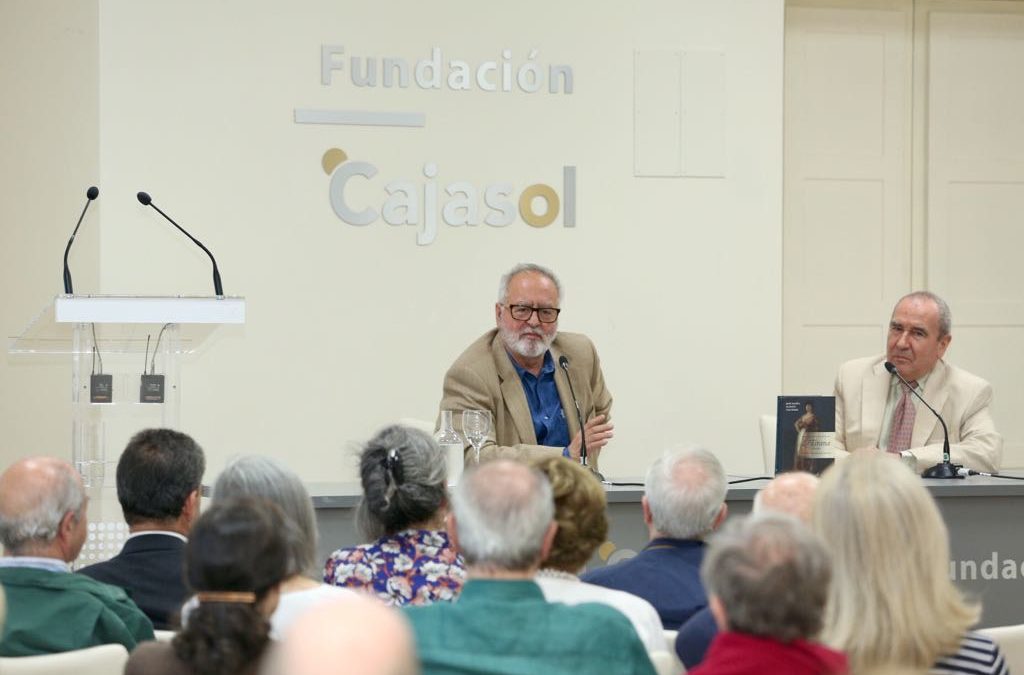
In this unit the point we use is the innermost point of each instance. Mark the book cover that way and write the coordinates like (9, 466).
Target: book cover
(804, 429)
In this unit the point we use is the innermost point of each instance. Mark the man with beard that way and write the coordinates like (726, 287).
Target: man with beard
(513, 372)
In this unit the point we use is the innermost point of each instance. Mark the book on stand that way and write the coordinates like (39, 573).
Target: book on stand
(804, 429)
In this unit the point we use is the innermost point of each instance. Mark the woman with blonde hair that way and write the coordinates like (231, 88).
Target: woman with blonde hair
(580, 511)
(891, 602)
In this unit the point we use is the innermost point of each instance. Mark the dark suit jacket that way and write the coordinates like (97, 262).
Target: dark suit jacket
(150, 568)
(695, 637)
(666, 574)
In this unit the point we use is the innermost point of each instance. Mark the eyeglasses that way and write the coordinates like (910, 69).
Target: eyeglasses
(544, 314)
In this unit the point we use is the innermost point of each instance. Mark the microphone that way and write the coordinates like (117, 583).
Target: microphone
(563, 363)
(945, 468)
(91, 194)
(146, 200)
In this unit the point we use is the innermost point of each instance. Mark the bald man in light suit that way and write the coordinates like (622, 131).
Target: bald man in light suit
(866, 394)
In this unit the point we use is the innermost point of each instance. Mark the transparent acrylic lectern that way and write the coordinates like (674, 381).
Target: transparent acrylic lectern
(122, 338)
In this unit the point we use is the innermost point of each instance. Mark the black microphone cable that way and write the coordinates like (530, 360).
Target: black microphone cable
(963, 472)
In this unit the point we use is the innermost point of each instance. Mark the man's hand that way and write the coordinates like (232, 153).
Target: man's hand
(598, 433)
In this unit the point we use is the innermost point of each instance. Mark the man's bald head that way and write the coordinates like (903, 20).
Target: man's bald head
(37, 495)
(501, 515)
(791, 493)
(359, 632)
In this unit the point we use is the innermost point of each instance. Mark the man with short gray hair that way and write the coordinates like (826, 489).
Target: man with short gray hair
(684, 501)
(43, 526)
(767, 577)
(502, 521)
(515, 372)
(874, 409)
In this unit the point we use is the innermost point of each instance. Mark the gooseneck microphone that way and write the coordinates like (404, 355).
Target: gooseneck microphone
(945, 468)
(146, 200)
(91, 194)
(563, 363)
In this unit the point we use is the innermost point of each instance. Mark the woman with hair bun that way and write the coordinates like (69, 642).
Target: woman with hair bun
(410, 560)
(235, 561)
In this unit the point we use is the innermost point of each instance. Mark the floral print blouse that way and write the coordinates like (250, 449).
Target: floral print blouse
(413, 567)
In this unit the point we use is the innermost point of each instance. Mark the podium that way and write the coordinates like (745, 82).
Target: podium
(121, 338)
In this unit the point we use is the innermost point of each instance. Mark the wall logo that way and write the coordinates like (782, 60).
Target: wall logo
(456, 74)
(419, 203)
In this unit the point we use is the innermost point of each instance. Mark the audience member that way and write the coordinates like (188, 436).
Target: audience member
(789, 493)
(684, 501)
(502, 523)
(891, 603)
(159, 477)
(767, 577)
(235, 562)
(266, 478)
(410, 559)
(43, 526)
(580, 512)
(366, 636)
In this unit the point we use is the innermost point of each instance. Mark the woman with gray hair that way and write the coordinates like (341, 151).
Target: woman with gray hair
(410, 559)
(767, 577)
(262, 477)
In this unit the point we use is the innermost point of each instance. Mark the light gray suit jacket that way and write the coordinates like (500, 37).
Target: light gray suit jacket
(862, 387)
(483, 378)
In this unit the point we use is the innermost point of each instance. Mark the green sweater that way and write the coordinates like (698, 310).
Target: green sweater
(51, 612)
(507, 628)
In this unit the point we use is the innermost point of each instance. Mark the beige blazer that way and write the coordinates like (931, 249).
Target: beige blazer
(483, 378)
(963, 399)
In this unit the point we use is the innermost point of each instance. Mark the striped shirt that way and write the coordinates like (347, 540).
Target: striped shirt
(978, 655)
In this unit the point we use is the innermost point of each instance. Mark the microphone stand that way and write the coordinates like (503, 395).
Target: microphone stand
(945, 468)
(91, 194)
(563, 361)
(218, 288)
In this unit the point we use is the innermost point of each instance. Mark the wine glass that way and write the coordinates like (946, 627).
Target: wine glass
(476, 424)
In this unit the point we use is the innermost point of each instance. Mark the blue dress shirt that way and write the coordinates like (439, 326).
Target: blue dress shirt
(549, 423)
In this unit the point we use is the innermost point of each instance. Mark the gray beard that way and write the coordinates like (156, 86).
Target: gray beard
(523, 347)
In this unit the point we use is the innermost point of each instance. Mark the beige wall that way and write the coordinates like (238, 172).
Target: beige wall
(677, 279)
(903, 151)
(49, 156)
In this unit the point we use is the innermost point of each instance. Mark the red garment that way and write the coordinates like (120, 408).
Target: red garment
(740, 654)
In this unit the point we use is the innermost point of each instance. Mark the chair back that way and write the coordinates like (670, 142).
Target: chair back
(426, 426)
(767, 424)
(1010, 640)
(164, 635)
(100, 660)
(666, 663)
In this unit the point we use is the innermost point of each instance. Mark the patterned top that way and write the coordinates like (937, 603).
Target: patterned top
(413, 567)
(978, 655)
